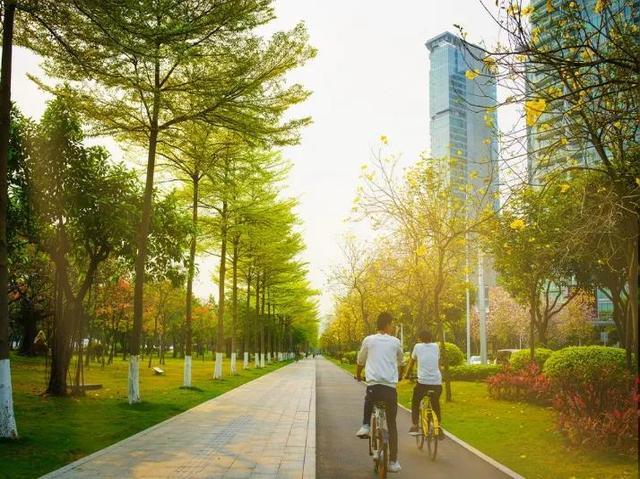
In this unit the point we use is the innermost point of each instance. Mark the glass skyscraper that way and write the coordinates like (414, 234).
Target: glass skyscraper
(462, 113)
(463, 123)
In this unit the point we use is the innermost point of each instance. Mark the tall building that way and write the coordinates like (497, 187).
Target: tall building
(462, 113)
(541, 155)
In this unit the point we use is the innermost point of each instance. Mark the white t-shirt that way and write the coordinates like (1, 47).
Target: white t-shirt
(428, 356)
(381, 354)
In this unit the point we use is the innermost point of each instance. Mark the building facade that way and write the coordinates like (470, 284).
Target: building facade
(462, 124)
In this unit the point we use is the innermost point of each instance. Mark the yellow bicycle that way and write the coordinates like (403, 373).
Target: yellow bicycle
(429, 427)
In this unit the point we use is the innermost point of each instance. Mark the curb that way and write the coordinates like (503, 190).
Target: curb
(501, 467)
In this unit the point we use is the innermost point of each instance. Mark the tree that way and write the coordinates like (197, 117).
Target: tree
(430, 217)
(534, 264)
(573, 66)
(8, 427)
(83, 208)
(161, 64)
(508, 321)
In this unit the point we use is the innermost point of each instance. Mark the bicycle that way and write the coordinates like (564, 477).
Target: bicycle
(379, 440)
(429, 427)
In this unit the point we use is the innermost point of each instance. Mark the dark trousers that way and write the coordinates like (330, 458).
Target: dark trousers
(420, 391)
(389, 396)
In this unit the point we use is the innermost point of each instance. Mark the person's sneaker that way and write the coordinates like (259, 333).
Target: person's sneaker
(414, 431)
(363, 432)
(394, 466)
(441, 435)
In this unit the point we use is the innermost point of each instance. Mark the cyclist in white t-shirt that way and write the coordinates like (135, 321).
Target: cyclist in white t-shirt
(427, 354)
(381, 357)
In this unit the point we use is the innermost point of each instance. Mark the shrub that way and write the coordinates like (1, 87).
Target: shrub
(520, 359)
(349, 357)
(454, 354)
(472, 372)
(615, 428)
(583, 364)
(592, 396)
(527, 384)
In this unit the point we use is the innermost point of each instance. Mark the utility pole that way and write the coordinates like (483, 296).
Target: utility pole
(482, 311)
(467, 296)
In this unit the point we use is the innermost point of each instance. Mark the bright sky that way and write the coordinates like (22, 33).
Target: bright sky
(370, 78)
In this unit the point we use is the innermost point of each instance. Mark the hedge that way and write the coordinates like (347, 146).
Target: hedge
(520, 359)
(349, 357)
(472, 372)
(584, 364)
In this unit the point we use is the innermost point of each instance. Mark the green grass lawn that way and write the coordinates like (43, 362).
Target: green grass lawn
(56, 431)
(521, 436)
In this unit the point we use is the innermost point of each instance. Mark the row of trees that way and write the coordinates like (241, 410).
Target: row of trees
(569, 226)
(194, 86)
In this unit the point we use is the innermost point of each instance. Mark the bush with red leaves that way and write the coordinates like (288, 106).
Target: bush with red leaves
(527, 384)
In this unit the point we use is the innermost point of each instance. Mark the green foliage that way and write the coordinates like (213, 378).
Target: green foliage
(349, 357)
(453, 353)
(472, 372)
(520, 359)
(584, 364)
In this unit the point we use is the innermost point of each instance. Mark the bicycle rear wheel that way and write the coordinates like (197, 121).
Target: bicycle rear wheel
(432, 440)
(383, 458)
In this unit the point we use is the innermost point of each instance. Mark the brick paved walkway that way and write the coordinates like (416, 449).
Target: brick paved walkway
(262, 429)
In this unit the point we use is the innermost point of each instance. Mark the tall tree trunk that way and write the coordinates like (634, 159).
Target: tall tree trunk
(632, 301)
(141, 254)
(186, 378)
(8, 427)
(263, 349)
(221, 277)
(533, 304)
(246, 326)
(258, 328)
(234, 305)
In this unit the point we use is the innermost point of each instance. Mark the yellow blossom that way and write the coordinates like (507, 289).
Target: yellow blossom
(384, 139)
(534, 108)
(471, 74)
(549, 6)
(601, 5)
(564, 187)
(518, 224)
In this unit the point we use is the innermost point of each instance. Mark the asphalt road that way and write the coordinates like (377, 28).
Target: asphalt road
(340, 454)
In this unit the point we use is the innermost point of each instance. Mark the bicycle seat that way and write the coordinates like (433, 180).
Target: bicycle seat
(380, 404)
(430, 393)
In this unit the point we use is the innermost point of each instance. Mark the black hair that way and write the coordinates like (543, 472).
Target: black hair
(384, 319)
(425, 336)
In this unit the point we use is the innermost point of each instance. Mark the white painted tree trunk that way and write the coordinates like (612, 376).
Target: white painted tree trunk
(186, 380)
(8, 427)
(269, 358)
(232, 368)
(217, 371)
(262, 360)
(245, 360)
(134, 379)
(256, 359)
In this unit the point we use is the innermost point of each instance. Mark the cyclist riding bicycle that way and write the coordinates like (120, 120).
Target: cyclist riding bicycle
(381, 357)
(427, 354)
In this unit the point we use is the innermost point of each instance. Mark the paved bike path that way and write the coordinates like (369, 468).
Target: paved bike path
(340, 454)
(263, 429)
